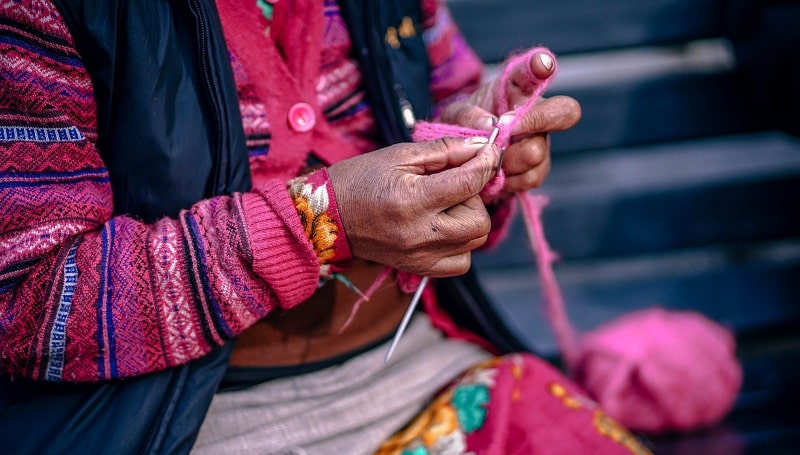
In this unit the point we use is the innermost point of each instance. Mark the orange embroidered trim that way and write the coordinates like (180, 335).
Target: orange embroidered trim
(312, 206)
(604, 424)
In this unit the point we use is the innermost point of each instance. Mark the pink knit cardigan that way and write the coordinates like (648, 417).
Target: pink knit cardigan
(87, 296)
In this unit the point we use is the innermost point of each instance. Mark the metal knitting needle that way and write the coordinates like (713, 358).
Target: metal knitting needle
(492, 138)
(406, 318)
(493, 134)
(424, 282)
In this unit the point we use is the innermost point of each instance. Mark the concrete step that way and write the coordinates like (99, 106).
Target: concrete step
(637, 200)
(497, 27)
(758, 292)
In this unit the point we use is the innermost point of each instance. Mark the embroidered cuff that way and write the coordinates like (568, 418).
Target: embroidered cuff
(315, 202)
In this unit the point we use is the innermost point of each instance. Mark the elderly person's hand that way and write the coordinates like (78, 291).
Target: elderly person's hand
(526, 162)
(416, 206)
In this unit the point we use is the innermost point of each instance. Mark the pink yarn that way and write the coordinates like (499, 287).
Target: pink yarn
(379, 280)
(531, 207)
(651, 370)
(426, 131)
(656, 370)
(408, 282)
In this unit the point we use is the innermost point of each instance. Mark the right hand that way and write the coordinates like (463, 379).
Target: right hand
(415, 206)
(526, 162)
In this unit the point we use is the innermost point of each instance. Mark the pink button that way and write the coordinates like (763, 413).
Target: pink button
(272, 1)
(302, 117)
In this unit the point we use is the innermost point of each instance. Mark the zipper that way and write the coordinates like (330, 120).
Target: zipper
(406, 109)
(213, 96)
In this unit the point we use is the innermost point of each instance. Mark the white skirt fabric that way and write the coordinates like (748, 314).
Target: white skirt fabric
(345, 409)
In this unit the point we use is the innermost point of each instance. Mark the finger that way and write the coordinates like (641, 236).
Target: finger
(533, 178)
(465, 222)
(526, 76)
(450, 266)
(469, 115)
(558, 113)
(442, 248)
(430, 157)
(457, 184)
(526, 154)
(458, 229)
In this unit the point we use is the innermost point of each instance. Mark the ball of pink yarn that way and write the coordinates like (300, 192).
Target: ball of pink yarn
(656, 370)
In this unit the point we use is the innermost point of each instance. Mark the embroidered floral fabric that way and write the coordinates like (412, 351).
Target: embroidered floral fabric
(315, 202)
(512, 405)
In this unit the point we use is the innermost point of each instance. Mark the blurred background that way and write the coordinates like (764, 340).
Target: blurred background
(679, 188)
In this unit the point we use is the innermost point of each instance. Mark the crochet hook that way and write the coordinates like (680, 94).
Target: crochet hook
(406, 318)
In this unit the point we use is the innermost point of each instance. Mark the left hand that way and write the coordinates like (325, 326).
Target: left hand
(526, 162)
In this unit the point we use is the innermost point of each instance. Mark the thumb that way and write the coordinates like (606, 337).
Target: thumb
(455, 185)
(430, 157)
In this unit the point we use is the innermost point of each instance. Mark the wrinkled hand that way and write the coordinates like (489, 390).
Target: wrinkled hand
(415, 206)
(526, 162)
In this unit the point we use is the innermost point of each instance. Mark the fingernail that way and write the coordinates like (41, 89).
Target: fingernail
(507, 118)
(546, 60)
(488, 122)
(477, 140)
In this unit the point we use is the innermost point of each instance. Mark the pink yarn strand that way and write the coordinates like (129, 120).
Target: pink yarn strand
(531, 207)
(379, 280)
(428, 131)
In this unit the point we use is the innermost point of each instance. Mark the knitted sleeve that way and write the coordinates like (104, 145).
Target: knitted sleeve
(87, 296)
